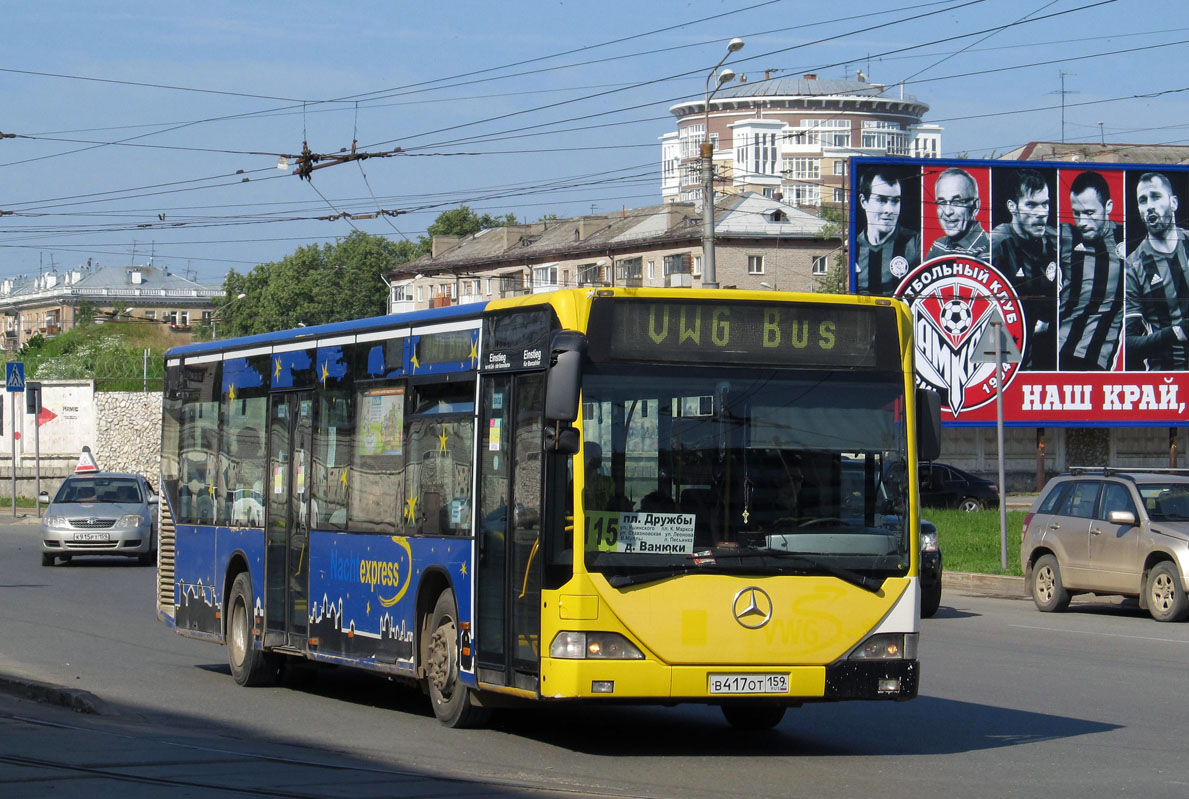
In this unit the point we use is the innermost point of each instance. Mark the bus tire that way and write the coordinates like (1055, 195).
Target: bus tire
(753, 715)
(453, 703)
(249, 666)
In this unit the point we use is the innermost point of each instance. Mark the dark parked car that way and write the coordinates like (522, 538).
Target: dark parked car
(930, 569)
(945, 486)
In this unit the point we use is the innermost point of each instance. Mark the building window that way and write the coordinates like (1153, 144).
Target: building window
(630, 268)
(545, 275)
(652, 270)
(151, 314)
(803, 168)
(820, 265)
(839, 195)
(697, 265)
(755, 264)
(839, 167)
(590, 275)
(806, 195)
(420, 294)
(677, 264)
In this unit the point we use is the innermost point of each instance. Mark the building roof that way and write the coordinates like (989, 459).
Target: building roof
(106, 283)
(1108, 153)
(746, 215)
(806, 86)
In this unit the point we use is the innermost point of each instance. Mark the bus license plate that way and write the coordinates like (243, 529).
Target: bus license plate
(749, 683)
(92, 536)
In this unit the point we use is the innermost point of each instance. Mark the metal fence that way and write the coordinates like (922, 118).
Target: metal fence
(112, 368)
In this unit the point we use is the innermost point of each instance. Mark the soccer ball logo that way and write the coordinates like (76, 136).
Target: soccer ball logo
(955, 317)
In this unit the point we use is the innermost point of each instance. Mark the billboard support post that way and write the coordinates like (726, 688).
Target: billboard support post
(997, 326)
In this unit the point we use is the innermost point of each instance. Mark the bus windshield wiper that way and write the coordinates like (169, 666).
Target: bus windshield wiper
(872, 584)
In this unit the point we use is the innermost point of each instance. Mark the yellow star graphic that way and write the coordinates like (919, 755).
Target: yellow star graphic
(277, 370)
(442, 438)
(415, 362)
(325, 373)
(343, 478)
(463, 568)
(231, 392)
(474, 349)
(411, 509)
(369, 608)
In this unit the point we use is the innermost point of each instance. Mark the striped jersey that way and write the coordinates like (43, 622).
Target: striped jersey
(1091, 294)
(1157, 300)
(972, 244)
(880, 268)
(1031, 266)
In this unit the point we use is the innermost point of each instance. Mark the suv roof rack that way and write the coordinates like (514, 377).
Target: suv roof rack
(1120, 471)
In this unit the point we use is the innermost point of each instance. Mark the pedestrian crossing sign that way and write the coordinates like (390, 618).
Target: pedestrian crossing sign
(14, 376)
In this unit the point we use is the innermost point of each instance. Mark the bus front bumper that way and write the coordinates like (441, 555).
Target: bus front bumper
(639, 680)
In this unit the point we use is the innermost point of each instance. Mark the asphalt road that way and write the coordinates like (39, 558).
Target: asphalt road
(1013, 703)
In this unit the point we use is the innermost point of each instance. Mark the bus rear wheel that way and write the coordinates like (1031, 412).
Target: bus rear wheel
(453, 703)
(249, 666)
(753, 715)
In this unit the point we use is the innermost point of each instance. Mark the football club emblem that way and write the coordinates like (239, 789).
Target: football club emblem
(953, 299)
(899, 266)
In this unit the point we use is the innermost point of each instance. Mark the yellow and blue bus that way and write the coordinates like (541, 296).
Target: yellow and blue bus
(609, 495)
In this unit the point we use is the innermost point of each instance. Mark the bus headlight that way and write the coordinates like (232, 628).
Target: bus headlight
(887, 646)
(928, 541)
(604, 646)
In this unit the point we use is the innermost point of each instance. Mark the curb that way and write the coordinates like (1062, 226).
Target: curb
(77, 700)
(996, 585)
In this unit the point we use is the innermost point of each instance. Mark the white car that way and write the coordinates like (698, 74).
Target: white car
(100, 513)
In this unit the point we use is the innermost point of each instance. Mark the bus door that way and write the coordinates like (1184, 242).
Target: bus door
(287, 559)
(508, 575)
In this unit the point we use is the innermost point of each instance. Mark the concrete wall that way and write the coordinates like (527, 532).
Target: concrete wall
(123, 430)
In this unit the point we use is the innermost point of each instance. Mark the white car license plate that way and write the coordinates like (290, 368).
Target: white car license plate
(92, 536)
(749, 683)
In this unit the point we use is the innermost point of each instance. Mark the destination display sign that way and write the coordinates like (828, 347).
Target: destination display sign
(776, 334)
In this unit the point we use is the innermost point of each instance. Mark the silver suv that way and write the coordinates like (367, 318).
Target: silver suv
(1110, 532)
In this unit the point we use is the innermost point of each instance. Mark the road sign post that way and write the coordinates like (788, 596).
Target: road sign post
(33, 406)
(997, 347)
(14, 381)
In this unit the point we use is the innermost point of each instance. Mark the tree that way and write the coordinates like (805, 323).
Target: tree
(836, 280)
(314, 285)
(463, 221)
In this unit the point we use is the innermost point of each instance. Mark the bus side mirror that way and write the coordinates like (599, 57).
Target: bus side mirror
(565, 377)
(928, 425)
(562, 439)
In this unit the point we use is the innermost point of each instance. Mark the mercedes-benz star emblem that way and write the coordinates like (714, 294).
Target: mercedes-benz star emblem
(752, 608)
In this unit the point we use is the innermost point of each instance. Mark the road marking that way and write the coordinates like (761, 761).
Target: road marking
(1094, 632)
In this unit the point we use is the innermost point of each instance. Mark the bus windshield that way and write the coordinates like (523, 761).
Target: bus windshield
(745, 470)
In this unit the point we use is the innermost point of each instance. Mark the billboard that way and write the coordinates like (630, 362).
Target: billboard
(1086, 265)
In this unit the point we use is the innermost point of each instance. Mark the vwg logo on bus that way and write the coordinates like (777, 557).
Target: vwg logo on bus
(953, 301)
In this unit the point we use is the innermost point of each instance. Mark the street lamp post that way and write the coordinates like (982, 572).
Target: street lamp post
(215, 318)
(709, 278)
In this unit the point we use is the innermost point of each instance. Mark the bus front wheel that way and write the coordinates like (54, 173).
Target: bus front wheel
(453, 703)
(249, 666)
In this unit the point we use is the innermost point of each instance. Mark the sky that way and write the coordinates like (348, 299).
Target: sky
(154, 130)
